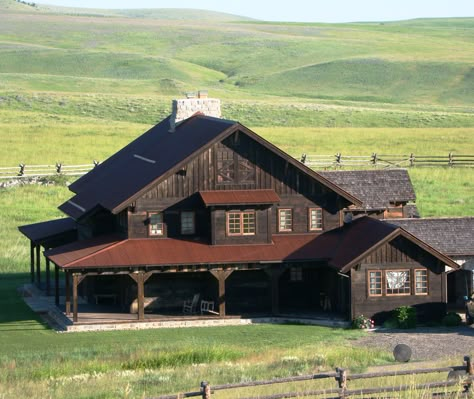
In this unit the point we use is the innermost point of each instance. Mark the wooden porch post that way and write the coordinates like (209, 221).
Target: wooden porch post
(32, 261)
(74, 297)
(140, 278)
(48, 277)
(76, 280)
(56, 284)
(68, 293)
(221, 276)
(38, 264)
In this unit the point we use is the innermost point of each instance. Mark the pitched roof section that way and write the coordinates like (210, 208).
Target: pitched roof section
(452, 236)
(342, 248)
(131, 171)
(239, 197)
(375, 188)
(43, 231)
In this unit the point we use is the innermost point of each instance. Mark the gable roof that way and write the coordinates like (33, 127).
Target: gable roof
(375, 188)
(43, 231)
(154, 156)
(452, 236)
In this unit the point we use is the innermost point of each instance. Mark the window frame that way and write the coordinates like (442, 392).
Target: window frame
(409, 282)
(241, 217)
(381, 282)
(296, 274)
(310, 219)
(284, 229)
(150, 224)
(193, 218)
(427, 288)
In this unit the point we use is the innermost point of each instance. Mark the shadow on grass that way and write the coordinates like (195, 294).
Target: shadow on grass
(16, 314)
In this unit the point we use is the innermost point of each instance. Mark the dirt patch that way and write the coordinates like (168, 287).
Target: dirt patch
(425, 343)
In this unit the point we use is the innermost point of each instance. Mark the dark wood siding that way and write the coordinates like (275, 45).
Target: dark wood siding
(399, 254)
(296, 189)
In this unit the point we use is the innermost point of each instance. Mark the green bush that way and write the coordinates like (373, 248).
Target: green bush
(452, 319)
(405, 316)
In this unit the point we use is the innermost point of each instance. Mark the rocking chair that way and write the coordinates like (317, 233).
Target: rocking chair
(190, 305)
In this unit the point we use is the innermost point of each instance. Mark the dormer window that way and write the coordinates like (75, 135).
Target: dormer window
(241, 223)
(156, 225)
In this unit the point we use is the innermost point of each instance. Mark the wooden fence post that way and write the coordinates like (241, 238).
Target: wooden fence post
(303, 158)
(338, 159)
(374, 159)
(342, 381)
(450, 159)
(206, 390)
(469, 372)
(58, 168)
(412, 159)
(22, 169)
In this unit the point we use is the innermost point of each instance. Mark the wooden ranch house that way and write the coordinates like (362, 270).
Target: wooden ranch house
(200, 214)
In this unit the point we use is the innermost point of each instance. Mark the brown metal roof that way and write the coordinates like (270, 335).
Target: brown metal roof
(239, 197)
(43, 231)
(110, 252)
(342, 248)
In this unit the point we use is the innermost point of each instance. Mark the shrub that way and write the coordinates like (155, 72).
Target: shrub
(405, 316)
(362, 322)
(452, 319)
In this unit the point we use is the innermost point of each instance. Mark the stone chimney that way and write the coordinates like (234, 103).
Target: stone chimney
(187, 107)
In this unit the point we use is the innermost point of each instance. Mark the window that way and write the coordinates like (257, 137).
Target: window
(315, 219)
(296, 274)
(156, 226)
(421, 282)
(240, 223)
(397, 282)
(188, 222)
(285, 219)
(375, 283)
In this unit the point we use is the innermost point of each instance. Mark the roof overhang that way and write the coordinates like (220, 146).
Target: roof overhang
(239, 197)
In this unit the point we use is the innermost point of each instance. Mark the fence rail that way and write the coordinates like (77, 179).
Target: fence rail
(387, 160)
(25, 171)
(463, 379)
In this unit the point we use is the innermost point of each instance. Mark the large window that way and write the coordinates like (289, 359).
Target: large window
(155, 226)
(285, 219)
(397, 282)
(315, 219)
(188, 222)
(421, 282)
(296, 274)
(240, 223)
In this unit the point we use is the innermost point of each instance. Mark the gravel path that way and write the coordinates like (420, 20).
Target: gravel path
(426, 343)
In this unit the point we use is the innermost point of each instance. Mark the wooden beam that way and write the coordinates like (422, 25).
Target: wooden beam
(38, 264)
(75, 283)
(140, 278)
(32, 261)
(68, 293)
(48, 277)
(56, 284)
(221, 276)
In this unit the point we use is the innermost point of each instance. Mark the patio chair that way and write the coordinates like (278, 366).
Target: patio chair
(190, 305)
(208, 307)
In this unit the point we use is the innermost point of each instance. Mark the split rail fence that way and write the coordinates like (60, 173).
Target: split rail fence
(25, 171)
(387, 160)
(460, 378)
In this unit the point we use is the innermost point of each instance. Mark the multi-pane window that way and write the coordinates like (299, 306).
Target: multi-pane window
(188, 222)
(240, 223)
(285, 219)
(397, 282)
(156, 226)
(296, 274)
(315, 219)
(375, 283)
(421, 282)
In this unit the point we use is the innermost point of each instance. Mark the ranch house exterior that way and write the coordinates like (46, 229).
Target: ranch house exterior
(202, 215)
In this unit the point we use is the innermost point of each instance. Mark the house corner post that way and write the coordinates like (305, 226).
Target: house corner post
(68, 293)
(32, 261)
(38, 265)
(48, 277)
(56, 284)
(221, 276)
(75, 282)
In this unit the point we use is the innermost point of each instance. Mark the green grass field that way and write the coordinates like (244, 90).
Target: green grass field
(77, 85)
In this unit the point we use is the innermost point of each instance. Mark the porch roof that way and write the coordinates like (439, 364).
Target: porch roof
(41, 232)
(239, 197)
(111, 251)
